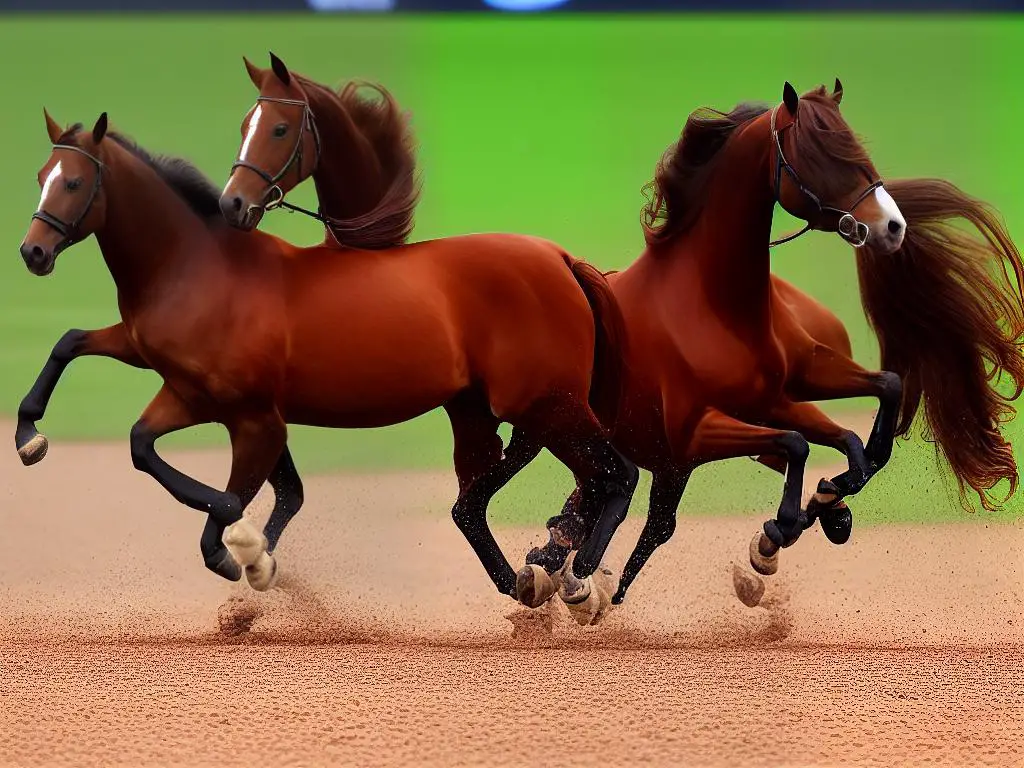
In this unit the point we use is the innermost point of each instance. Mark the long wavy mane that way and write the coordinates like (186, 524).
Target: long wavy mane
(384, 218)
(948, 311)
(829, 155)
(676, 196)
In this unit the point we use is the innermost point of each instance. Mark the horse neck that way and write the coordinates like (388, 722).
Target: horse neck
(145, 224)
(730, 239)
(348, 175)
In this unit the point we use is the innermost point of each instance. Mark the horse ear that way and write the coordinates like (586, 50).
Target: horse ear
(790, 98)
(52, 128)
(280, 69)
(837, 92)
(255, 73)
(100, 129)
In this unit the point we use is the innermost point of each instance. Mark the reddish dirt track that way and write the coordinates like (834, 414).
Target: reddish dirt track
(386, 645)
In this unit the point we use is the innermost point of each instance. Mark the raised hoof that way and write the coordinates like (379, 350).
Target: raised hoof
(262, 575)
(34, 450)
(764, 555)
(224, 565)
(837, 523)
(245, 543)
(534, 586)
(748, 586)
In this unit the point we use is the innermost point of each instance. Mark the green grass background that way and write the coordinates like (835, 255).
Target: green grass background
(545, 125)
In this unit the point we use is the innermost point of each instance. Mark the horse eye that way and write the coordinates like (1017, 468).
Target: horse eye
(73, 184)
(280, 130)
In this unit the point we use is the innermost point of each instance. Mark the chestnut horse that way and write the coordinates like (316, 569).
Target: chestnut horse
(300, 129)
(722, 357)
(253, 333)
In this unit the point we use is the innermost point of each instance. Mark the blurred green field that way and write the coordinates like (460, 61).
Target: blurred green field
(544, 125)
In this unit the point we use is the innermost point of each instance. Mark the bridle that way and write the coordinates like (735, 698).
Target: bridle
(66, 230)
(849, 228)
(275, 195)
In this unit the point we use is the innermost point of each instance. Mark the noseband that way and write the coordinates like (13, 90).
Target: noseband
(849, 228)
(275, 195)
(66, 230)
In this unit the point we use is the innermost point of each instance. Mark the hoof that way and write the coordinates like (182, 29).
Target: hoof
(749, 587)
(244, 542)
(837, 523)
(534, 586)
(262, 575)
(34, 450)
(582, 598)
(618, 597)
(764, 555)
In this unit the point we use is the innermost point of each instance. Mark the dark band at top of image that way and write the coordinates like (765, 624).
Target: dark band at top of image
(512, 6)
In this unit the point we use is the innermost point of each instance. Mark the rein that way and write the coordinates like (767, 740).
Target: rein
(66, 230)
(849, 228)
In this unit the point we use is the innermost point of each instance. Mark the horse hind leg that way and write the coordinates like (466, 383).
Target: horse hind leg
(483, 469)
(607, 480)
(666, 492)
(288, 498)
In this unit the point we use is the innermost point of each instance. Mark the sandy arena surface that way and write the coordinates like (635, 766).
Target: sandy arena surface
(386, 644)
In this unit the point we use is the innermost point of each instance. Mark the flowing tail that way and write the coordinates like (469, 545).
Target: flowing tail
(949, 317)
(609, 344)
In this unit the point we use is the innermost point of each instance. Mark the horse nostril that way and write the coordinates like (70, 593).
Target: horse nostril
(236, 203)
(895, 227)
(37, 251)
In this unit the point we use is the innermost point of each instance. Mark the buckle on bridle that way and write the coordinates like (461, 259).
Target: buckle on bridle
(271, 201)
(852, 231)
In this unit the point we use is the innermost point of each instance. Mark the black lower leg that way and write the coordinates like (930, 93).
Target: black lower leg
(566, 531)
(34, 405)
(883, 433)
(470, 510)
(605, 498)
(666, 491)
(215, 554)
(791, 519)
(225, 507)
(288, 498)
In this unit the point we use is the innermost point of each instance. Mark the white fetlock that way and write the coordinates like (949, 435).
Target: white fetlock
(262, 575)
(244, 542)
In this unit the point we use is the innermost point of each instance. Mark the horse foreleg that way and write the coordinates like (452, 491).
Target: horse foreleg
(826, 504)
(718, 436)
(109, 342)
(829, 375)
(257, 445)
(168, 413)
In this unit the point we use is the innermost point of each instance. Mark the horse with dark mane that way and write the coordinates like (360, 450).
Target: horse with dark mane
(253, 333)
